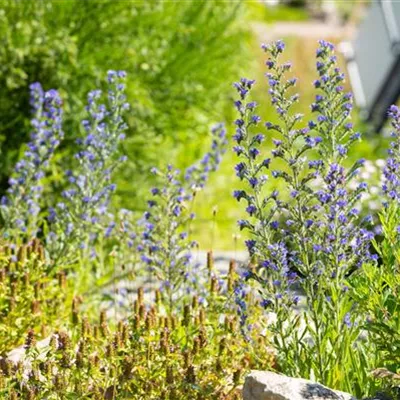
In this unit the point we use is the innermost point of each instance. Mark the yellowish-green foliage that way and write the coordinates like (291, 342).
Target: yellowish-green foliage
(177, 54)
(30, 297)
(194, 352)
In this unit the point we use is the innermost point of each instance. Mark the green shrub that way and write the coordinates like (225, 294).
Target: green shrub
(178, 55)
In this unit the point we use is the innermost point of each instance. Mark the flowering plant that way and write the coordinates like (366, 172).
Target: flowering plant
(20, 208)
(165, 243)
(377, 289)
(310, 237)
(190, 329)
(30, 285)
(82, 216)
(333, 313)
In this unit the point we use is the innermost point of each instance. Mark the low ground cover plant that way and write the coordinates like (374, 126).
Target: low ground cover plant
(193, 352)
(317, 299)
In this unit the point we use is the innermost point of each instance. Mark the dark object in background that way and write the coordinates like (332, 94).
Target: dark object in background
(295, 3)
(381, 396)
(373, 61)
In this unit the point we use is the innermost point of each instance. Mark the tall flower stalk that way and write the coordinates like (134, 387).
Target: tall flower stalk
(165, 244)
(311, 233)
(377, 289)
(391, 171)
(20, 207)
(83, 216)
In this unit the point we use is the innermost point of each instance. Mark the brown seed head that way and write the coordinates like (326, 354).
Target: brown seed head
(62, 279)
(169, 375)
(190, 375)
(186, 315)
(236, 377)
(30, 339)
(35, 307)
(103, 317)
(140, 295)
(22, 256)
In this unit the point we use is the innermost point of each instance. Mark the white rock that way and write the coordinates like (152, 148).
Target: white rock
(264, 385)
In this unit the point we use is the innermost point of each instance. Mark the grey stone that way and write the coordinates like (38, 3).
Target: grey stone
(380, 396)
(265, 385)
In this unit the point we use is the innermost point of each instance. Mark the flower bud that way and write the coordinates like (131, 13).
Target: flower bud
(41, 254)
(186, 316)
(13, 289)
(158, 297)
(79, 361)
(75, 311)
(186, 359)
(22, 256)
(214, 285)
(218, 365)
(222, 345)
(103, 317)
(35, 245)
(136, 322)
(53, 343)
(142, 311)
(202, 316)
(85, 328)
(11, 304)
(25, 280)
(169, 378)
(62, 279)
(30, 339)
(195, 302)
(140, 296)
(104, 330)
(64, 342)
(35, 307)
(148, 322)
(190, 375)
(236, 377)
(30, 394)
(196, 346)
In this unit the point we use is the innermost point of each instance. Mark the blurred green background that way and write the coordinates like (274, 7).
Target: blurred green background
(181, 57)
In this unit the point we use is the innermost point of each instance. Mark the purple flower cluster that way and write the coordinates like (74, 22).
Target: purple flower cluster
(253, 168)
(164, 244)
(271, 254)
(391, 171)
(339, 239)
(312, 233)
(20, 207)
(197, 174)
(240, 293)
(332, 106)
(82, 216)
(343, 239)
